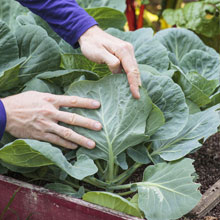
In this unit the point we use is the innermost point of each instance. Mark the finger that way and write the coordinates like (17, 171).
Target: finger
(112, 61)
(55, 139)
(75, 101)
(78, 120)
(125, 54)
(72, 136)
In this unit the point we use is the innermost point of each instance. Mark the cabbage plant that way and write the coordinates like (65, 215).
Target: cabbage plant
(178, 110)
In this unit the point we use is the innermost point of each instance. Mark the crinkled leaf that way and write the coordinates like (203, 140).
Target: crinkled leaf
(78, 61)
(119, 5)
(65, 189)
(32, 153)
(112, 201)
(108, 17)
(168, 191)
(123, 118)
(201, 62)
(201, 17)
(200, 125)
(191, 91)
(147, 49)
(41, 51)
(170, 99)
(64, 78)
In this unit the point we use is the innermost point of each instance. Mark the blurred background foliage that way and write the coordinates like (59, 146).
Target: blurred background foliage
(200, 16)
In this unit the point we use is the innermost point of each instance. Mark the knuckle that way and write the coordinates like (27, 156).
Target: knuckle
(128, 46)
(73, 119)
(67, 133)
(46, 112)
(74, 100)
(49, 98)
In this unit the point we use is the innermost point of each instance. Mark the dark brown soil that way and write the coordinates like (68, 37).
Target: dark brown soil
(207, 165)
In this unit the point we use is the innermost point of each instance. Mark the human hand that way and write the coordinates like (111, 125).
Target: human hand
(35, 115)
(101, 47)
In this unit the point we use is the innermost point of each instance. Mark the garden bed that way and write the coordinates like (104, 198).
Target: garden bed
(32, 199)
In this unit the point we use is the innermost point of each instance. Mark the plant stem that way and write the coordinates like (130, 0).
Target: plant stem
(111, 165)
(125, 193)
(99, 166)
(119, 187)
(95, 182)
(125, 175)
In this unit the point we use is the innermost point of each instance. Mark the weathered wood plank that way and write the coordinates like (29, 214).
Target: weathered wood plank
(46, 205)
(209, 200)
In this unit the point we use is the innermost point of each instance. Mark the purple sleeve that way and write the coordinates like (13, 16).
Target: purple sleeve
(65, 17)
(2, 119)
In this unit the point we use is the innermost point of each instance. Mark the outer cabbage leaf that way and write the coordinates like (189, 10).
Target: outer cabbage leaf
(9, 10)
(200, 125)
(119, 5)
(41, 51)
(123, 118)
(108, 17)
(168, 191)
(112, 201)
(8, 46)
(170, 99)
(32, 153)
(201, 62)
(147, 49)
(180, 41)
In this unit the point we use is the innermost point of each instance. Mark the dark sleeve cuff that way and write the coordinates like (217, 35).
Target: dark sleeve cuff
(2, 119)
(65, 17)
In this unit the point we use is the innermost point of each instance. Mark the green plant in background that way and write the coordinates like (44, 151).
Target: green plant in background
(202, 17)
(177, 112)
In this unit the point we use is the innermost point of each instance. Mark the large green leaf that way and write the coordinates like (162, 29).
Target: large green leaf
(79, 61)
(200, 125)
(123, 118)
(39, 85)
(9, 10)
(201, 17)
(8, 46)
(147, 49)
(64, 78)
(9, 77)
(195, 87)
(170, 99)
(108, 17)
(112, 201)
(180, 41)
(41, 51)
(32, 153)
(65, 189)
(167, 191)
(201, 62)
(119, 5)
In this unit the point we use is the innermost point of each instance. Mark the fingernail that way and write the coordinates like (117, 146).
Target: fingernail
(91, 144)
(97, 125)
(95, 104)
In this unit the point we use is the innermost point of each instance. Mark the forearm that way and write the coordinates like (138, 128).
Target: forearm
(2, 119)
(65, 17)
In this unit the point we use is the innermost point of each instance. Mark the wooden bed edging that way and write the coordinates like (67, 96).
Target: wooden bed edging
(43, 204)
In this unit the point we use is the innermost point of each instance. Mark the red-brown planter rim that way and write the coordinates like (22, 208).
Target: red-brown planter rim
(42, 204)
